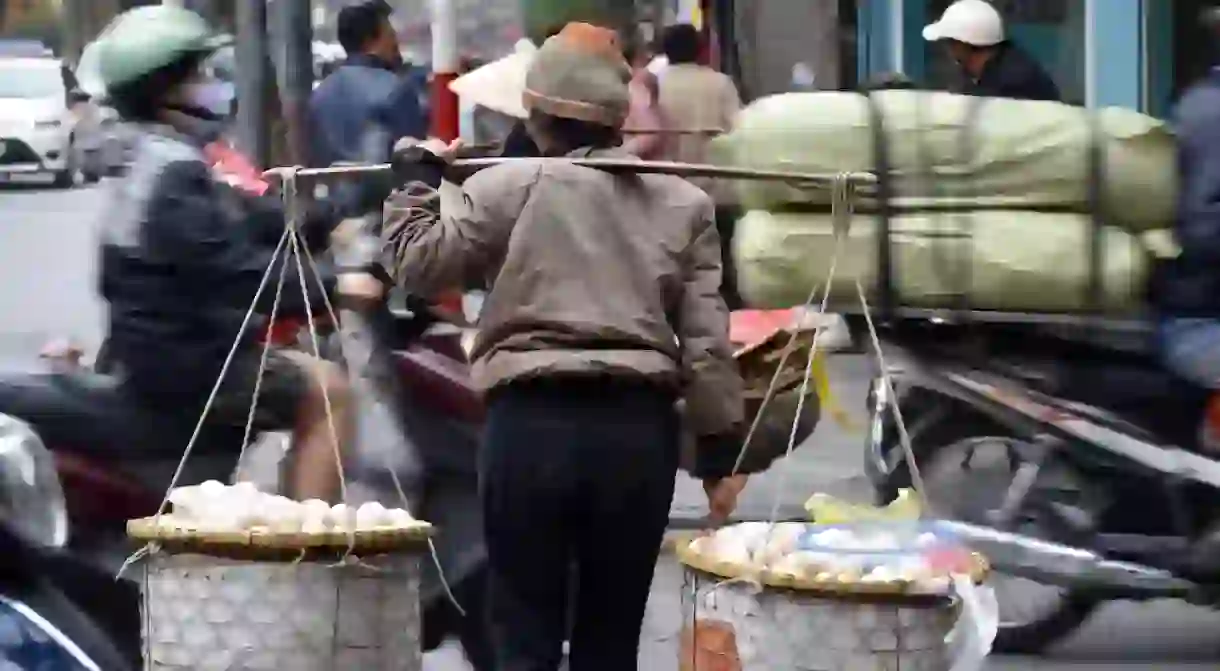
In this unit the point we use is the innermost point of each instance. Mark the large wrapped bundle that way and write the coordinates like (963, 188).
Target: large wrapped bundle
(954, 151)
(1017, 261)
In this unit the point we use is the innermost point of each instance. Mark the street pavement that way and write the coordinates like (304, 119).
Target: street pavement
(48, 289)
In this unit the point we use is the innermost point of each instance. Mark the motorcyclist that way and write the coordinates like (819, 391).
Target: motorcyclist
(973, 34)
(1187, 289)
(183, 255)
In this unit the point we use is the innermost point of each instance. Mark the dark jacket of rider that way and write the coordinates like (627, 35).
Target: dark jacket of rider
(182, 256)
(1012, 73)
(1189, 286)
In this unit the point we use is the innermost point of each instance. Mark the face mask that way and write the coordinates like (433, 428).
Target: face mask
(211, 95)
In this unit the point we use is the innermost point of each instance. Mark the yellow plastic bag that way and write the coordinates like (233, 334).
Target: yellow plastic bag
(826, 509)
(821, 385)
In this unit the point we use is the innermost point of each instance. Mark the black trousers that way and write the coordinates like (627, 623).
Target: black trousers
(575, 472)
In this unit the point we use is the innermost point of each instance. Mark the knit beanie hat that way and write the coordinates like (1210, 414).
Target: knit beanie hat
(581, 74)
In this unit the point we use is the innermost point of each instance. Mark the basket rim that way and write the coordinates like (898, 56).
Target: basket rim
(691, 558)
(225, 543)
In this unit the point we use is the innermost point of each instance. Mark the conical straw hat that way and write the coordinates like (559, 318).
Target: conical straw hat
(498, 85)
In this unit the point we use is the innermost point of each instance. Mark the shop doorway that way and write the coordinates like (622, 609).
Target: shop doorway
(1178, 48)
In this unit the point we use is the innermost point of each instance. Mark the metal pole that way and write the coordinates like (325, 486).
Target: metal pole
(72, 31)
(253, 129)
(296, 24)
(446, 114)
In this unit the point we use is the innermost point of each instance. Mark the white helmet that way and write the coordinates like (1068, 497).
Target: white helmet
(974, 22)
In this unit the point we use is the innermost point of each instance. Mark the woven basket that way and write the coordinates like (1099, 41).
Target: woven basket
(735, 626)
(245, 602)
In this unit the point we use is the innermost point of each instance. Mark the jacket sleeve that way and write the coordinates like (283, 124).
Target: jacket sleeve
(431, 249)
(191, 229)
(713, 389)
(1198, 227)
(267, 221)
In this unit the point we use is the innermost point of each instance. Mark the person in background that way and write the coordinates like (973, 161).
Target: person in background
(368, 102)
(645, 112)
(696, 97)
(973, 34)
(804, 78)
(603, 312)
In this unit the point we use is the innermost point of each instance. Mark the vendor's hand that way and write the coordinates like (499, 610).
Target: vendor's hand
(446, 151)
(427, 161)
(362, 287)
(722, 495)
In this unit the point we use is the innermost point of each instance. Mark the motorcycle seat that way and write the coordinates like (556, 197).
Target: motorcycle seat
(1135, 387)
(91, 414)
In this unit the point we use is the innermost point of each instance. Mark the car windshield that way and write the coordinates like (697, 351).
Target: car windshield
(25, 81)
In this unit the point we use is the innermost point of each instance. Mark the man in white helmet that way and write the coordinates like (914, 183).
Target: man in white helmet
(973, 33)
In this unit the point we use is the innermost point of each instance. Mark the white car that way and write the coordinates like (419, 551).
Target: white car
(46, 125)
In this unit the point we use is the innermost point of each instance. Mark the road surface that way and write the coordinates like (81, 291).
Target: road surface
(47, 288)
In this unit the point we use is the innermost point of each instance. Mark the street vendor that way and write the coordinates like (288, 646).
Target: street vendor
(604, 312)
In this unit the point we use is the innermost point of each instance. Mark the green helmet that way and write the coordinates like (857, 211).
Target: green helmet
(143, 40)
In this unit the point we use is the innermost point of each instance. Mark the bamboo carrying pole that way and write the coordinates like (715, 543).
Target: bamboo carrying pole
(615, 165)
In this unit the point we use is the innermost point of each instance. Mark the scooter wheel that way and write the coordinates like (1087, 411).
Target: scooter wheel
(965, 479)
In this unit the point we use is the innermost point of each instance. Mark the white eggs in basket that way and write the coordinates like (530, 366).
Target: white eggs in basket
(213, 506)
(865, 554)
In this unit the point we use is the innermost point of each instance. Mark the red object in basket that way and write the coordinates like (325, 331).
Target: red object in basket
(950, 559)
(749, 327)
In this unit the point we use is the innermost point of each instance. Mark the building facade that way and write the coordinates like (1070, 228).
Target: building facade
(1130, 53)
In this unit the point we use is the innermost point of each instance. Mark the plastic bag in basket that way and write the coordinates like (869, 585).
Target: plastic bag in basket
(971, 639)
(826, 509)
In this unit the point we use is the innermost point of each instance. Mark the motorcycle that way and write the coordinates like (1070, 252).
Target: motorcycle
(1064, 452)
(116, 456)
(55, 613)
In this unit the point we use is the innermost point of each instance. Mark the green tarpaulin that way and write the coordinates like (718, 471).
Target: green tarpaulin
(960, 152)
(1012, 261)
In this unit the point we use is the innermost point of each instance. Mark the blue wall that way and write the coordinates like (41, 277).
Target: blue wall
(1118, 53)
(875, 46)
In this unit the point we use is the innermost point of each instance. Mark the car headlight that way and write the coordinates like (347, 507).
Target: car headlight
(48, 124)
(31, 499)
